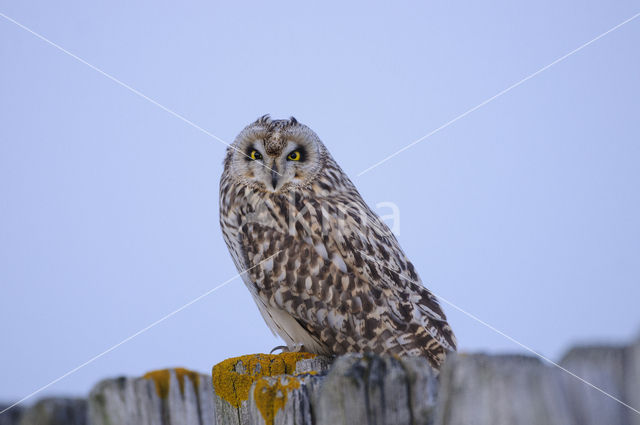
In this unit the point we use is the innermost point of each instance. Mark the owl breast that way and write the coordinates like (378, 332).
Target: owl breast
(256, 228)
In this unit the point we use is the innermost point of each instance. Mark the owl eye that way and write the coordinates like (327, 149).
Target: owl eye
(294, 156)
(255, 155)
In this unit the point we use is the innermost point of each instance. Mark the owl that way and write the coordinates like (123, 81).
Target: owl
(326, 273)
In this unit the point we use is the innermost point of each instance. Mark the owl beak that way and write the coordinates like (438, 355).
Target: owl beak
(274, 176)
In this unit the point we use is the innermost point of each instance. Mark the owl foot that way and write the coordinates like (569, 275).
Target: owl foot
(295, 348)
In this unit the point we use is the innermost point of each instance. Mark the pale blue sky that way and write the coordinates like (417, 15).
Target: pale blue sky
(526, 212)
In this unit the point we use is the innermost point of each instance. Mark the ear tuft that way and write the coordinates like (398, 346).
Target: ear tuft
(265, 119)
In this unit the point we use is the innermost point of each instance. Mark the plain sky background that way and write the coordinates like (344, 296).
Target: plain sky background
(525, 213)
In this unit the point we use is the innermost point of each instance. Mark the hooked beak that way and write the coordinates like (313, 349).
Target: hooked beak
(274, 175)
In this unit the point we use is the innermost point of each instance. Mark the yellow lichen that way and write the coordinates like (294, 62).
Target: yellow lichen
(233, 386)
(270, 398)
(162, 377)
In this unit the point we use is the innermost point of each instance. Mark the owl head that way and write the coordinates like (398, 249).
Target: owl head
(276, 155)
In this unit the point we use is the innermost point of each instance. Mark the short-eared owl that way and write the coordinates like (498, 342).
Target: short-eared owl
(327, 274)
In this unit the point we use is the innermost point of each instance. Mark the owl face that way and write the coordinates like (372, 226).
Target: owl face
(276, 155)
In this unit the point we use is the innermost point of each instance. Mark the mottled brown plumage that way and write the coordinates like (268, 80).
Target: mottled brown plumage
(326, 273)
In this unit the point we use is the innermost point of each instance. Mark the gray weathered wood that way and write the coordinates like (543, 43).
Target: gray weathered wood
(136, 401)
(370, 389)
(632, 380)
(286, 400)
(501, 390)
(256, 390)
(613, 369)
(56, 411)
(11, 416)
(364, 389)
(358, 389)
(474, 389)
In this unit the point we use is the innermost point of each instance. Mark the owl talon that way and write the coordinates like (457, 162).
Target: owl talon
(284, 349)
(295, 348)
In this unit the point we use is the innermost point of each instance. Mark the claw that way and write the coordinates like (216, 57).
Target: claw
(295, 348)
(284, 349)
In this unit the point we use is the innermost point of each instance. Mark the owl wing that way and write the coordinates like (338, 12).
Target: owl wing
(340, 272)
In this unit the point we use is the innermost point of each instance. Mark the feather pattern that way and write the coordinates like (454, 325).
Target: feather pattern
(338, 280)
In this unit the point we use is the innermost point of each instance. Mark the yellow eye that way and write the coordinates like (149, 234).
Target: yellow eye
(294, 156)
(255, 155)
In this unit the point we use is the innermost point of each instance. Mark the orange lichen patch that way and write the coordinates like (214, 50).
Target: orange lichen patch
(270, 398)
(162, 378)
(232, 378)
